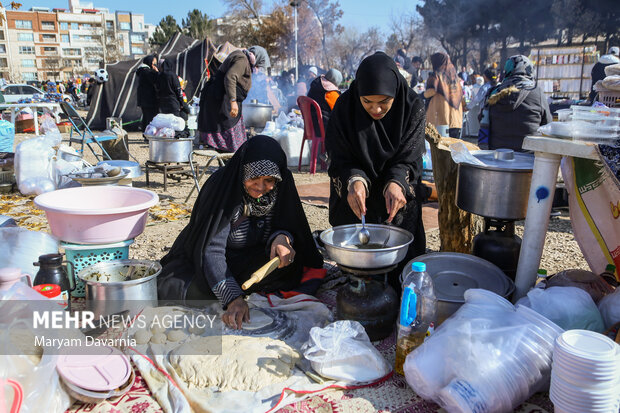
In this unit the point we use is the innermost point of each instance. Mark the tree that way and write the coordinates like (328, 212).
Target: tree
(327, 14)
(165, 30)
(351, 47)
(197, 25)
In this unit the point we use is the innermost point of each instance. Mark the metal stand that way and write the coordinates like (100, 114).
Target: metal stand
(213, 156)
(172, 170)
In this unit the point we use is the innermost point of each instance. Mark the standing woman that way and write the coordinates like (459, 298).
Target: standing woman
(375, 141)
(444, 90)
(220, 120)
(169, 91)
(147, 92)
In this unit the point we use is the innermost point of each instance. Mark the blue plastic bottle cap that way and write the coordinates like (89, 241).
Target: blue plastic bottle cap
(418, 266)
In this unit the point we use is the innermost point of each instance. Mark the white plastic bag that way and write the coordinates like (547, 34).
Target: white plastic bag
(609, 307)
(460, 154)
(342, 351)
(168, 120)
(165, 133)
(50, 130)
(34, 171)
(569, 307)
(282, 120)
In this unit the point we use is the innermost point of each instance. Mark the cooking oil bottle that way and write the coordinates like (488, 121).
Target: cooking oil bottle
(417, 312)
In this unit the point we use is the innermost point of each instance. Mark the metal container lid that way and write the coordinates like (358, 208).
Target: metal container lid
(107, 370)
(506, 159)
(454, 273)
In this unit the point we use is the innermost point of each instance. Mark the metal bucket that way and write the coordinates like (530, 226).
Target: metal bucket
(164, 150)
(343, 251)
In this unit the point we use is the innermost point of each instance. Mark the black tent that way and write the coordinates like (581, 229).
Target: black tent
(118, 96)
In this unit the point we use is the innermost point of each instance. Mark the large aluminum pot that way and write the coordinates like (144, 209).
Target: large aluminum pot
(500, 189)
(256, 115)
(170, 149)
(342, 245)
(454, 273)
(117, 285)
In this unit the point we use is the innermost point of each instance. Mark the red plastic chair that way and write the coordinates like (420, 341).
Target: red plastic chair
(316, 137)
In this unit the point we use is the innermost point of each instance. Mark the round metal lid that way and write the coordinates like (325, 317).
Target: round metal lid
(454, 273)
(107, 370)
(506, 159)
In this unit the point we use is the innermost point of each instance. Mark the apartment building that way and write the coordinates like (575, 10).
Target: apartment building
(59, 44)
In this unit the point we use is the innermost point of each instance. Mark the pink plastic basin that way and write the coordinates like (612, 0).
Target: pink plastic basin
(97, 214)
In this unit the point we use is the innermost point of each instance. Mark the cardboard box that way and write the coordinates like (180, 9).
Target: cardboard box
(24, 126)
(64, 127)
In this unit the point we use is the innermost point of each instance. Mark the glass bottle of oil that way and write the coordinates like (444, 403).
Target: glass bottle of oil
(417, 312)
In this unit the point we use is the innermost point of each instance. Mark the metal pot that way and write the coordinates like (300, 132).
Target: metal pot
(500, 189)
(337, 241)
(170, 149)
(110, 297)
(256, 115)
(454, 273)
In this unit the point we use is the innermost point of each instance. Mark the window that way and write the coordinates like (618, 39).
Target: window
(23, 24)
(48, 37)
(64, 38)
(28, 63)
(64, 26)
(74, 26)
(109, 25)
(2, 48)
(86, 26)
(140, 27)
(50, 50)
(29, 90)
(25, 37)
(71, 52)
(26, 49)
(1, 34)
(125, 26)
(29, 76)
(93, 61)
(48, 26)
(137, 38)
(11, 90)
(3, 62)
(137, 50)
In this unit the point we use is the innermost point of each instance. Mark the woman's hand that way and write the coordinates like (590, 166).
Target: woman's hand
(357, 199)
(237, 312)
(281, 247)
(394, 199)
(234, 109)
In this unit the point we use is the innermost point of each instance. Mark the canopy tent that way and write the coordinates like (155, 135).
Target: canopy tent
(118, 96)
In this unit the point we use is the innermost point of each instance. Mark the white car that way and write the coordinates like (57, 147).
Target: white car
(15, 93)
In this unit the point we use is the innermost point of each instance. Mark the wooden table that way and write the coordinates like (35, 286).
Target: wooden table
(548, 154)
(54, 108)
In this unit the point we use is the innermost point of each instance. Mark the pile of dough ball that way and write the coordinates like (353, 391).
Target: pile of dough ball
(158, 335)
(235, 363)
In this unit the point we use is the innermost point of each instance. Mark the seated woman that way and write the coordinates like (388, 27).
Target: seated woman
(375, 142)
(246, 213)
(324, 90)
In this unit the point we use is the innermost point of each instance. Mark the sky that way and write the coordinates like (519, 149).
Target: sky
(361, 14)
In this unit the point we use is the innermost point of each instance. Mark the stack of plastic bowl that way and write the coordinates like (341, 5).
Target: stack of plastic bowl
(596, 124)
(586, 373)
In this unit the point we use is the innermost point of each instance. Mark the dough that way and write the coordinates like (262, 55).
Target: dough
(258, 320)
(142, 336)
(176, 335)
(246, 363)
(157, 330)
(159, 338)
(196, 330)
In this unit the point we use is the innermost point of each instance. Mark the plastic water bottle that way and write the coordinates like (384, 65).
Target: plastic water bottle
(609, 275)
(541, 278)
(417, 312)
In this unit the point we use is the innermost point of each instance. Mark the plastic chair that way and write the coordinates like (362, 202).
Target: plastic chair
(86, 136)
(317, 138)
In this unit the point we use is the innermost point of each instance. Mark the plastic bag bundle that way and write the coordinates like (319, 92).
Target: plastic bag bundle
(609, 308)
(591, 283)
(165, 132)
(569, 307)
(487, 357)
(168, 120)
(50, 130)
(342, 351)
(34, 170)
(7, 136)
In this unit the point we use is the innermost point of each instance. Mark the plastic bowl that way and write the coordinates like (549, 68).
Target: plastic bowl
(97, 215)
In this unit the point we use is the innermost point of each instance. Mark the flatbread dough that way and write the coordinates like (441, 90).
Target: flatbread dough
(176, 335)
(159, 338)
(258, 320)
(246, 363)
(142, 336)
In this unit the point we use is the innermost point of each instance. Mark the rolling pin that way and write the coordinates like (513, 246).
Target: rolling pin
(262, 272)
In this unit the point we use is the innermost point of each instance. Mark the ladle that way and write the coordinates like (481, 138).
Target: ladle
(364, 234)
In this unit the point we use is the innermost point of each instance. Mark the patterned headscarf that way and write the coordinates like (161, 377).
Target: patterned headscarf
(518, 72)
(258, 207)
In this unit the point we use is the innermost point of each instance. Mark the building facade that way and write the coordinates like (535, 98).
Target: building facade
(42, 44)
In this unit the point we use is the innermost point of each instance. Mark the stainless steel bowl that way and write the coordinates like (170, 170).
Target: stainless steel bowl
(86, 180)
(345, 252)
(110, 297)
(256, 115)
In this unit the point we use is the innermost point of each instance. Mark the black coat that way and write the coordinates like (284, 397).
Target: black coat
(147, 91)
(169, 90)
(515, 116)
(317, 92)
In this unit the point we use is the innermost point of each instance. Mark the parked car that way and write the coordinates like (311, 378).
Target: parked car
(17, 92)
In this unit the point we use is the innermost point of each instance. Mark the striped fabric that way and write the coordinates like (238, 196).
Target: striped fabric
(227, 290)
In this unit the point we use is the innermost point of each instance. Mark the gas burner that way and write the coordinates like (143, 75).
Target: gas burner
(366, 271)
